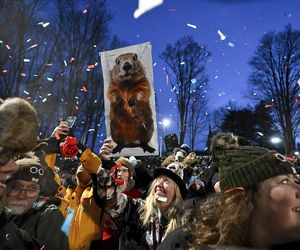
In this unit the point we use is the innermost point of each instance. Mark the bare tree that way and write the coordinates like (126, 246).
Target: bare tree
(276, 69)
(185, 65)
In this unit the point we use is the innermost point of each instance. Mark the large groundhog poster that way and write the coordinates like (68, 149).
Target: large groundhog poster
(130, 115)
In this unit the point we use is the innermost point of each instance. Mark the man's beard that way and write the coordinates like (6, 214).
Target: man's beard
(18, 207)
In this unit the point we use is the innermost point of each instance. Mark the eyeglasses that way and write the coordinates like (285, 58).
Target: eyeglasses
(13, 189)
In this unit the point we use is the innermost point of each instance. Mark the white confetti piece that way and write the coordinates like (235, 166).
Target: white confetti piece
(44, 24)
(65, 63)
(28, 40)
(194, 81)
(49, 94)
(33, 46)
(26, 60)
(45, 99)
(154, 64)
(50, 79)
(170, 99)
(146, 5)
(27, 93)
(192, 25)
(1, 41)
(7, 46)
(222, 36)
(91, 130)
(230, 44)
(182, 63)
(260, 133)
(298, 82)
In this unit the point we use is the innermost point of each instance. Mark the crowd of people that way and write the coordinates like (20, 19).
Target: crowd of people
(55, 193)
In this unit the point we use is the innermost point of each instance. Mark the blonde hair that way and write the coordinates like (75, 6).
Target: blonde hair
(150, 209)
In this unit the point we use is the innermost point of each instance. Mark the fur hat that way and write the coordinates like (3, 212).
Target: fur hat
(18, 125)
(175, 171)
(30, 169)
(33, 168)
(245, 166)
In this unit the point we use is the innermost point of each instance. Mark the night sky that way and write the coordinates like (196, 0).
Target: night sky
(242, 22)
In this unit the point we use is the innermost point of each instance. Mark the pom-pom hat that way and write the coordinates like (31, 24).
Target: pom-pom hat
(245, 166)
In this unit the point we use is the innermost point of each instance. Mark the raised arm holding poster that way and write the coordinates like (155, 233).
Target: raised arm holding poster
(130, 115)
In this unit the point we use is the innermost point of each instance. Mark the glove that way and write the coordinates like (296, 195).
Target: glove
(49, 145)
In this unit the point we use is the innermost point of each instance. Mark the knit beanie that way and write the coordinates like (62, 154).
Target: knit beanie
(30, 169)
(18, 125)
(245, 166)
(174, 171)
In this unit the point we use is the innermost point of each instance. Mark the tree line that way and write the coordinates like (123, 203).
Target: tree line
(49, 54)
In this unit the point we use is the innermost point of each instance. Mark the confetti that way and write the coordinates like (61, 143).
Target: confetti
(91, 130)
(91, 66)
(49, 94)
(167, 79)
(28, 40)
(297, 101)
(44, 24)
(23, 74)
(194, 81)
(260, 133)
(72, 59)
(269, 105)
(84, 11)
(222, 36)
(1, 41)
(4, 71)
(84, 89)
(33, 46)
(45, 99)
(182, 63)
(146, 5)
(230, 44)
(192, 25)
(26, 60)
(7, 46)
(170, 100)
(27, 93)
(50, 79)
(172, 10)
(298, 82)
(65, 62)
(154, 64)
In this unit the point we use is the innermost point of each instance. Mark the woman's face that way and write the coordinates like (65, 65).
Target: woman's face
(277, 207)
(123, 173)
(164, 191)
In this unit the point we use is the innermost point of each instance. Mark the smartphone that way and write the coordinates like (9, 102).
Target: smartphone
(71, 120)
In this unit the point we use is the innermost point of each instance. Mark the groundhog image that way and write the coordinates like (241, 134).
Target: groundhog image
(131, 121)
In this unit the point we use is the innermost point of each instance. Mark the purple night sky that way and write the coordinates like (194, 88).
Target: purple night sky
(242, 22)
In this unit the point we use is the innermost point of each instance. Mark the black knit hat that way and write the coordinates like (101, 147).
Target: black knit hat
(245, 166)
(175, 171)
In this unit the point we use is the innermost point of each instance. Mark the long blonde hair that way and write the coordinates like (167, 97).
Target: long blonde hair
(150, 209)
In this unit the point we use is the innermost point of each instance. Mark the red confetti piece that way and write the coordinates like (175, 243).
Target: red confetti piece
(91, 66)
(84, 89)
(297, 101)
(57, 136)
(23, 74)
(269, 105)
